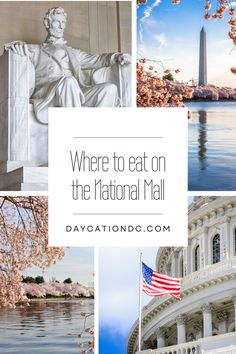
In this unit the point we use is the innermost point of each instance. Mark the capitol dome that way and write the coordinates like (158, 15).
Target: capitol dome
(204, 320)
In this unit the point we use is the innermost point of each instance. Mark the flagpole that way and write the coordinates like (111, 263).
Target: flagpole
(140, 304)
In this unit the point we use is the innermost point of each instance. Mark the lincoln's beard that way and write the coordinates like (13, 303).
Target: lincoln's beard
(56, 33)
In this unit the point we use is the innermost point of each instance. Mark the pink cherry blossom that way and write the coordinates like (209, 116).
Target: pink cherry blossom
(23, 244)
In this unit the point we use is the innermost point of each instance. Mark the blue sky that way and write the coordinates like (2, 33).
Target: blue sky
(119, 294)
(170, 33)
(78, 264)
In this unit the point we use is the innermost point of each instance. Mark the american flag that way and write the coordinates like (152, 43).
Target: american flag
(157, 284)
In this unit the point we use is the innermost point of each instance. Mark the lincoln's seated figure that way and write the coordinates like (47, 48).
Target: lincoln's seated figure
(60, 77)
(34, 77)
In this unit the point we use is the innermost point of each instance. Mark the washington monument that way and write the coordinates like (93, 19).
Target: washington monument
(202, 79)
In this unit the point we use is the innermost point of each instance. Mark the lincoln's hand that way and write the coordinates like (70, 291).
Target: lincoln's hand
(17, 47)
(124, 58)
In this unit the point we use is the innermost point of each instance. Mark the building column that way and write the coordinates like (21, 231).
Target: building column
(187, 259)
(202, 251)
(204, 257)
(181, 331)
(207, 319)
(222, 317)
(228, 238)
(161, 337)
(175, 264)
(224, 231)
(234, 300)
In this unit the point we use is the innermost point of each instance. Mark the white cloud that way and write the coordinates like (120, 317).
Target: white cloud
(117, 313)
(146, 17)
(156, 3)
(150, 52)
(140, 33)
(152, 23)
(219, 65)
(232, 4)
(160, 38)
(147, 12)
(225, 44)
(119, 286)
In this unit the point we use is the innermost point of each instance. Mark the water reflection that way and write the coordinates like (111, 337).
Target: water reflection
(202, 139)
(44, 327)
(212, 148)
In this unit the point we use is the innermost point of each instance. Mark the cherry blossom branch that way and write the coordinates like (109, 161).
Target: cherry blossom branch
(23, 244)
(89, 330)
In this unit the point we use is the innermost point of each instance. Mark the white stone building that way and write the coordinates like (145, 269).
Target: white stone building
(204, 320)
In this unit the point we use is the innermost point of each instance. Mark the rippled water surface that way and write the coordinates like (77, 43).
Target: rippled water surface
(44, 327)
(212, 146)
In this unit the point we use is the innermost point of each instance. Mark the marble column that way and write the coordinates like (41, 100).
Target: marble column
(204, 254)
(176, 270)
(234, 300)
(207, 319)
(14, 109)
(222, 317)
(228, 239)
(181, 331)
(161, 340)
(187, 259)
(224, 236)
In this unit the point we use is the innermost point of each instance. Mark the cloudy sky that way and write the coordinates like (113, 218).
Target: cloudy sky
(171, 34)
(119, 294)
(78, 264)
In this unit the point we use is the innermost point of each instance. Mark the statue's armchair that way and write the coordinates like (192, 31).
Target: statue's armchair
(119, 75)
(23, 139)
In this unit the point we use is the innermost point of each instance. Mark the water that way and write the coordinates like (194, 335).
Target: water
(44, 327)
(212, 146)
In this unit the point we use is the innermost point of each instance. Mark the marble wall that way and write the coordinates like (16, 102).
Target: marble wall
(93, 26)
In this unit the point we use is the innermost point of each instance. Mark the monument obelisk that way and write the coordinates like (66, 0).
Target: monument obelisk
(202, 79)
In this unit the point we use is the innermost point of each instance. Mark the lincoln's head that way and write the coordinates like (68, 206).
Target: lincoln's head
(55, 22)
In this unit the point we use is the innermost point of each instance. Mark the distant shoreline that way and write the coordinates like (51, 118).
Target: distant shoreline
(208, 100)
(35, 299)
